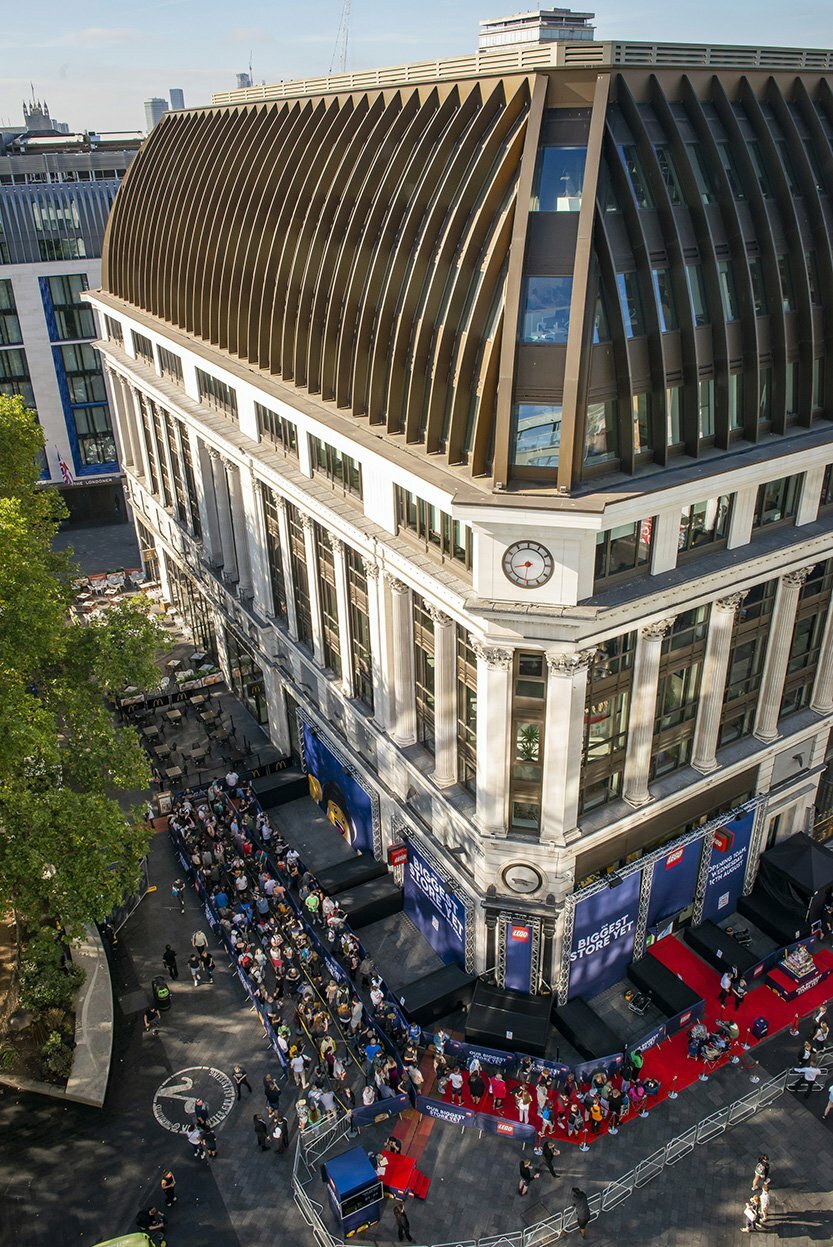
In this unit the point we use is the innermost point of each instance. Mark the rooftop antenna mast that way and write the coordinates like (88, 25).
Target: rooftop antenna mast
(339, 61)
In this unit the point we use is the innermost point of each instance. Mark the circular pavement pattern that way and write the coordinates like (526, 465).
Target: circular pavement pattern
(175, 1099)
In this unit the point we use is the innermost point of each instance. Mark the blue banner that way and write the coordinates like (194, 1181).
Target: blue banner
(674, 881)
(687, 1018)
(505, 1128)
(612, 1065)
(658, 1035)
(727, 867)
(518, 957)
(604, 928)
(454, 1114)
(368, 1114)
(342, 798)
(434, 909)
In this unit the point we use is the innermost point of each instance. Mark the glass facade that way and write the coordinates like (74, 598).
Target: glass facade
(274, 555)
(339, 469)
(623, 550)
(277, 430)
(678, 691)
(545, 309)
(466, 711)
(536, 435)
(704, 524)
(559, 179)
(299, 578)
(424, 675)
(526, 773)
(433, 527)
(746, 663)
(215, 393)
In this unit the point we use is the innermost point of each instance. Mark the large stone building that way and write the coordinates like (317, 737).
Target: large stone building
(478, 412)
(56, 191)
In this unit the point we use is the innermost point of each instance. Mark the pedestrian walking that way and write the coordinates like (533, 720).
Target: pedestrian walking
(548, 1153)
(280, 1134)
(750, 1215)
(194, 967)
(298, 1066)
(210, 1143)
(240, 1080)
(761, 1171)
(207, 964)
(403, 1225)
(272, 1091)
(582, 1207)
(169, 961)
(199, 940)
(178, 893)
(197, 1140)
(526, 1176)
(261, 1131)
(168, 1185)
(810, 1074)
(763, 1202)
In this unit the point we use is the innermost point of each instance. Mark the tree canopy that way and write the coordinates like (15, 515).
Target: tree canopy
(67, 847)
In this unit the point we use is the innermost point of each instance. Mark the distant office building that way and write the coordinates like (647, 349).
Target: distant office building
(243, 81)
(538, 26)
(155, 110)
(177, 97)
(55, 197)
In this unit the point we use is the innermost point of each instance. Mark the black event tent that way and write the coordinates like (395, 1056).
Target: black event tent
(794, 877)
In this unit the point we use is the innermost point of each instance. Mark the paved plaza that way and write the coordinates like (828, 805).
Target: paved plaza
(73, 1175)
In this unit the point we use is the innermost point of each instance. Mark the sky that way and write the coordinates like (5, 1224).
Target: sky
(95, 63)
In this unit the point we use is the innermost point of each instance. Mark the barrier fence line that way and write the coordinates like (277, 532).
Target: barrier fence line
(551, 1229)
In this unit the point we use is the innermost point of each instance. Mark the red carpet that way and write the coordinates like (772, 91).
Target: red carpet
(669, 1062)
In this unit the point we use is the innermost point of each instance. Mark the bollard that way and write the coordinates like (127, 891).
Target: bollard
(673, 1093)
(794, 1026)
(746, 1045)
(703, 1077)
(735, 1059)
(584, 1146)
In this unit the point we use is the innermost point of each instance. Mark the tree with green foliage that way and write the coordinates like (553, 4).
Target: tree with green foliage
(67, 848)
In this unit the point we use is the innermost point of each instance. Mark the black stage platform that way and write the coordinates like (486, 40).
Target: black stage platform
(719, 949)
(781, 926)
(431, 997)
(359, 869)
(586, 1031)
(370, 901)
(280, 788)
(666, 991)
(508, 1020)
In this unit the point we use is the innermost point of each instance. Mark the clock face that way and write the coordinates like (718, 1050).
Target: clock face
(528, 564)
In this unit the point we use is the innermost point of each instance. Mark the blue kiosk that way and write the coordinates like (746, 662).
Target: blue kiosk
(355, 1191)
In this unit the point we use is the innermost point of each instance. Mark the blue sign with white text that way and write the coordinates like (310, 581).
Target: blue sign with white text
(727, 867)
(518, 957)
(434, 909)
(674, 881)
(604, 928)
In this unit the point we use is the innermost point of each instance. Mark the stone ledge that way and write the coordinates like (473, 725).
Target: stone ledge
(87, 1081)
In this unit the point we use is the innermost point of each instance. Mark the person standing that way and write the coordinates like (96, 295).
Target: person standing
(763, 1201)
(168, 1185)
(194, 967)
(272, 1091)
(403, 1225)
(738, 992)
(207, 963)
(750, 1215)
(299, 1070)
(523, 1099)
(725, 986)
(476, 1087)
(280, 1134)
(497, 1089)
(210, 1143)
(261, 1131)
(199, 941)
(548, 1152)
(810, 1074)
(178, 893)
(169, 960)
(761, 1171)
(582, 1207)
(240, 1079)
(197, 1140)
(455, 1079)
(526, 1175)
(828, 1108)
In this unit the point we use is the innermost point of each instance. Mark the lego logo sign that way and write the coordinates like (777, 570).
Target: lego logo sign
(520, 933)
(397, 854)
(505, 1127)
(674, 858)
(723, 841)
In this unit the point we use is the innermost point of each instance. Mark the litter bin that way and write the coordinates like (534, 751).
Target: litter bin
(161, 992)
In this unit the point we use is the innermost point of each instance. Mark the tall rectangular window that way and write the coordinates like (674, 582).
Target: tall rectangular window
(95, 435)
(787, 290)
(424, 675)
(674, 432)
(339, 468)
(113, 329)
(818, 383)
(777, 502)
(624, 549)
(631, 304)
(642, 439)
(559, 179)
(665, 299)
(601, 437)
(170, 365)
(190, 481)
(606, 710)
(433, 527)
(697, 291)
(329, 600)
(536, 435)
(73, 318)
(765, 397)
(529, 704)
(736, 400)
(705, 391)
(704, 524)
(669, 174)
(277, 430)
(791, 379)
(84, 376)
(143, 348)
(466, 711)
(728, 294)
(215, 393)
(636, 177)
(701, 173)
(299, 575)
(360, 650)
(730, 168)
(760, 170)
(545, 309)
(14, 376)
(678, 691)
(274, 554)
(10, 334)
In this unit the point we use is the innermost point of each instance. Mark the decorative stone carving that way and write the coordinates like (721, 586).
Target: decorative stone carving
(306, 521)
(732, 601)
(258, 487)
(798, 576)
(497, 658)
(395, 586)
(371, 570)
(336, 544)
(657, 630)
(569, 664)
(438, 616)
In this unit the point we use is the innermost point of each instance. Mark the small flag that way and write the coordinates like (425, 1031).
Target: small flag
(65, 472)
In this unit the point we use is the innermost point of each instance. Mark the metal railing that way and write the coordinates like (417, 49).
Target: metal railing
(309, 1154)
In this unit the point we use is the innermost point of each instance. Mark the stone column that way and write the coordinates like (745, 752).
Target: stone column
(345, 645)
(169, 463)
(144, 449)
(261, 578)
(445, 698)
(822, 699)
(380, 659)
(314, 590)
(286, 562)
(713, 682)
(221, 496)
(494, 681)
(778, 648)
(643, 710)
(404, 688)
(239, 522)
(207, 498)
(121, 405)
(563, 733)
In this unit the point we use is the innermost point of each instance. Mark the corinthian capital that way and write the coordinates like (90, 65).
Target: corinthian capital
(371, 570)
(438, 616)
(658, 630)
(495, 658)
(798, 577)
(569, 664)
(732, 601)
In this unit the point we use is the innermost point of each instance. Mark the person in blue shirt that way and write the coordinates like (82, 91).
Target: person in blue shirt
(415, 1033)
(371, 1051)
(221, 899)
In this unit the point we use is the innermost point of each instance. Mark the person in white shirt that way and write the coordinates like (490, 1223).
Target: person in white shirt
(725, 986)
(809, 1076)
(232, 779)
